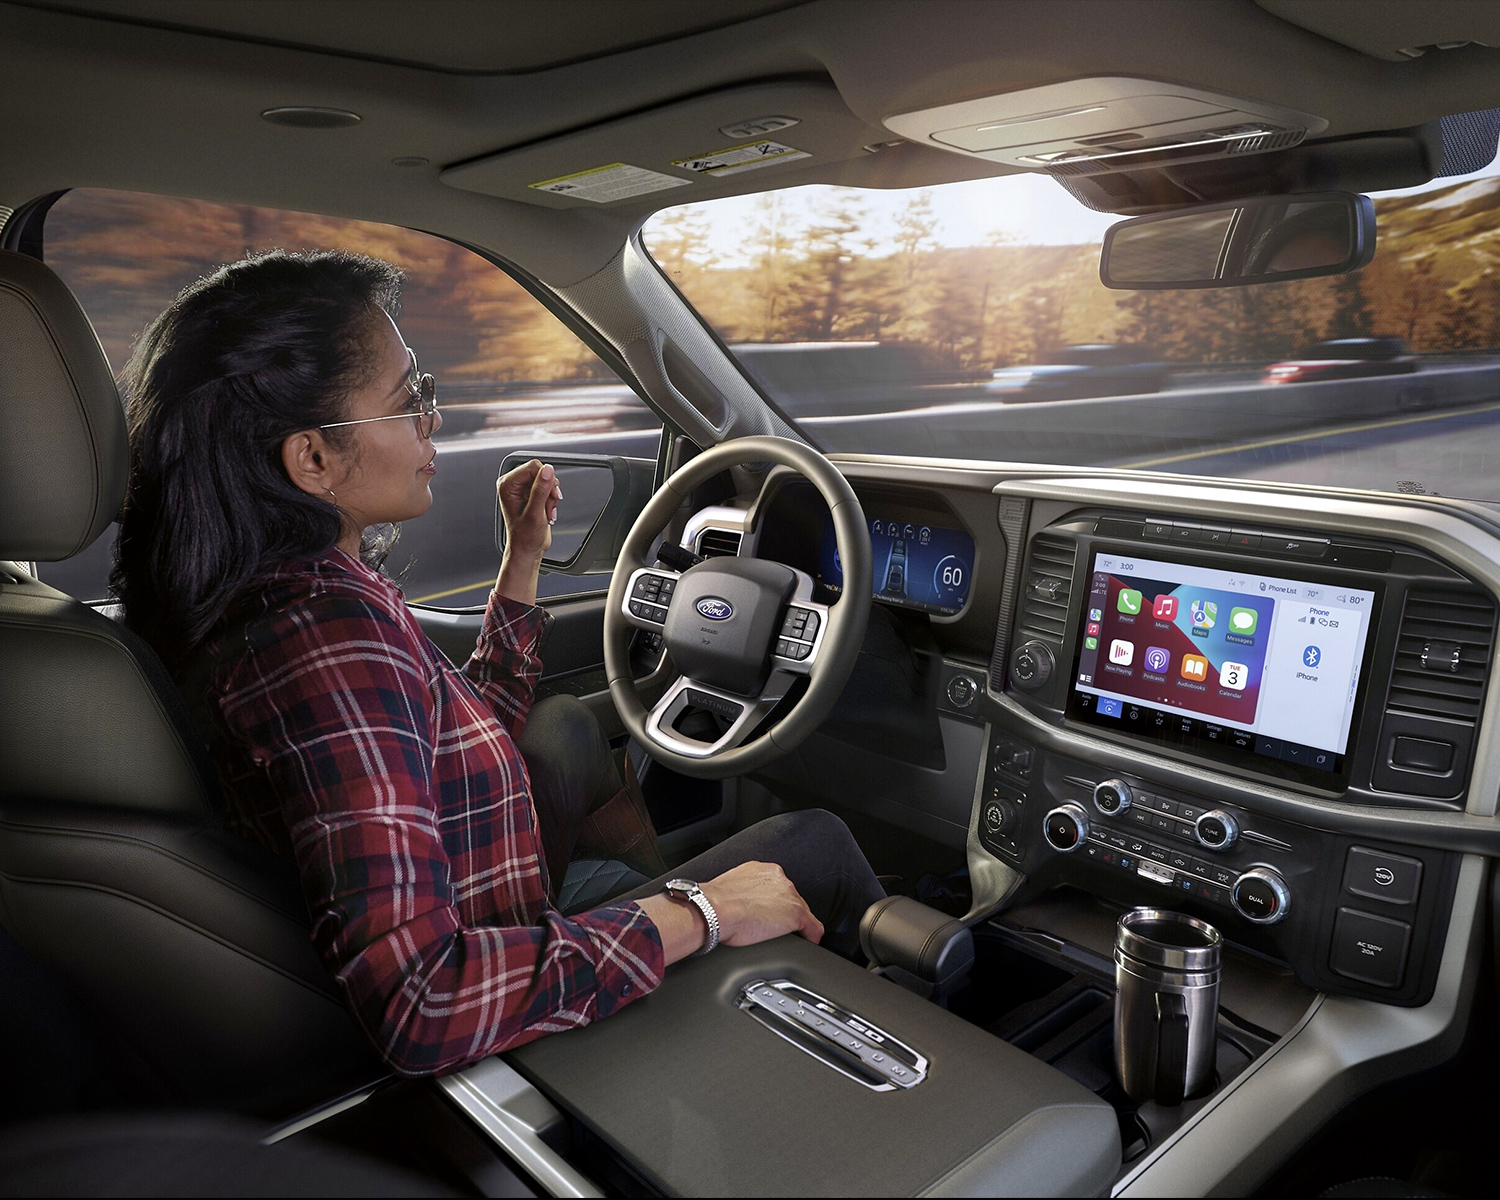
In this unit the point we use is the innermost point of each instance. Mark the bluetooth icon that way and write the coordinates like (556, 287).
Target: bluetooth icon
(1312, 656)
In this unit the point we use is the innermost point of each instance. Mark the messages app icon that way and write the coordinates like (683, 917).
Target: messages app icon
(1129, 601)
(1243, 620)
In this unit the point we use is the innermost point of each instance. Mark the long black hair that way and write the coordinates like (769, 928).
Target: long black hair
(244, 357)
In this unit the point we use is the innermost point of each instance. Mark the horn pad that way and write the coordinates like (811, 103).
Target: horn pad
(723, 621)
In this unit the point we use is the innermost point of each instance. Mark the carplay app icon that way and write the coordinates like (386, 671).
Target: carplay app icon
(1194, 667)
(1165, 608)
(1157, 659)
(1122, 653)
(1129, 601)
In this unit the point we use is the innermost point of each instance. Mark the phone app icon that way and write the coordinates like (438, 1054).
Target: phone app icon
(1165, 608)
(1122, 653)
(1194, 667)
(1243, 621)
(1204, 614)
(1129, 601)
(1091, 643)
(1234, 675)
(1157, 659)
(1096, 614)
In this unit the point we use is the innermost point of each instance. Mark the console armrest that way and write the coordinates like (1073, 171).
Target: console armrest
(703, 1097)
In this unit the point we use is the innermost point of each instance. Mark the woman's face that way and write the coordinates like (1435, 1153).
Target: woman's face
(385, 470)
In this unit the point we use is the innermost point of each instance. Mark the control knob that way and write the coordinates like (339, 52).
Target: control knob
(999, 818)
(1260, 895)
(1066, 828)
(1216, 830)
(1113, 797)
(1031, 665)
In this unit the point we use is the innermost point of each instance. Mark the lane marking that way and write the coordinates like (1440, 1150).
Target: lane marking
(483, 583)
(1310, 437)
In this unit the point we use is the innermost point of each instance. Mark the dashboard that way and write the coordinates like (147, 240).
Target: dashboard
(1257, 706)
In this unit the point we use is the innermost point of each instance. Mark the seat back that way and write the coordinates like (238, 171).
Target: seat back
(186, 944)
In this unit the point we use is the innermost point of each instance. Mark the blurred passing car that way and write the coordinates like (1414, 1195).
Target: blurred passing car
(1345, 358)
(1075, 372)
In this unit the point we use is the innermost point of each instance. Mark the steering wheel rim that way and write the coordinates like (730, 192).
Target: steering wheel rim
(837, 646)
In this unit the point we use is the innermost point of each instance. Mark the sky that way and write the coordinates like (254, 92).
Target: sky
(1030, 209)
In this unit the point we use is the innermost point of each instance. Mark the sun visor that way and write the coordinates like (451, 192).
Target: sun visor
(742, 139)
(1099, 125)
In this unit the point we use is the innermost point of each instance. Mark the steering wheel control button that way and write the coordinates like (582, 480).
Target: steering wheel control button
(1377, 875)
(1369, 949)
(1261, 896)
(1066, 827)
(962, 691)
(1113, 797)
(1031, 666)
(1216, 830)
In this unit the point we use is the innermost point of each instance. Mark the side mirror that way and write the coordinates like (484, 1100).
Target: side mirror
(602, 496)
(1262, 240)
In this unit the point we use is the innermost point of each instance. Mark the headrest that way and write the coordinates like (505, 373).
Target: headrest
(63, 456)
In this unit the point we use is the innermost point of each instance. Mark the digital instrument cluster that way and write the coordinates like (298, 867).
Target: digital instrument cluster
(926, 567)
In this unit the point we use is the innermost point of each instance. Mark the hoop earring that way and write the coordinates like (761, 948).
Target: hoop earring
(332, 497)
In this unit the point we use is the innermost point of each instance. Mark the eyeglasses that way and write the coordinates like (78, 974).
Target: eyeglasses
(422, 388)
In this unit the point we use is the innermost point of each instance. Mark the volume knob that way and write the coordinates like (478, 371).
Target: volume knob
(1112, 797)
(1066, 828)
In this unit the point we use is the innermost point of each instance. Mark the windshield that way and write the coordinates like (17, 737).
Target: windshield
(968, 321)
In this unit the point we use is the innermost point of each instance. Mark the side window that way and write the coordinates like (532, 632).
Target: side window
(510, 374)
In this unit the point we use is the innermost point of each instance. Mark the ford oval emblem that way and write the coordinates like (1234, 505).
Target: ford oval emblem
(715, 609)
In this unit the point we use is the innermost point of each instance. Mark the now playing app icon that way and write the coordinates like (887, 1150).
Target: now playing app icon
(1312, 656)
(1157, 660)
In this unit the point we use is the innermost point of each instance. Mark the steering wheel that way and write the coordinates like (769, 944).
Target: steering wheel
(740, 630)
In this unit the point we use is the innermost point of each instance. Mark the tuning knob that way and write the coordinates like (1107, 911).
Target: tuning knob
(1066, 828)
(1032, 665)
(1112, 797)
(1216, 830)
(1260, 895)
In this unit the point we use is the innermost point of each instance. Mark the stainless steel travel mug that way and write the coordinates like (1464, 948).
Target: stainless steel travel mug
(1166, 1004)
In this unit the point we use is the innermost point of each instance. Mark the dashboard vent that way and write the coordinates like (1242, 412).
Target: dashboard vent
(1443, 654)
(1046, 586)
(719, 543)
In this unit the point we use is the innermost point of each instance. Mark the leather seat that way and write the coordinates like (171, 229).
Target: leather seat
(188, 946)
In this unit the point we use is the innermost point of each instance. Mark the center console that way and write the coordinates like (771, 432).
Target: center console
(1250, 663)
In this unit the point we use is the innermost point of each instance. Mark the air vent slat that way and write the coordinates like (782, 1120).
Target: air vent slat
(719, 543)
(1438, 624)
(1046, 587)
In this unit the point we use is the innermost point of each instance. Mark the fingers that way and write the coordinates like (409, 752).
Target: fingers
(811, 928)
(543, 493)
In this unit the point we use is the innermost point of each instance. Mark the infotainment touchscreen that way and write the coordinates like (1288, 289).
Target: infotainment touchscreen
(921, 566)
(1250, 664)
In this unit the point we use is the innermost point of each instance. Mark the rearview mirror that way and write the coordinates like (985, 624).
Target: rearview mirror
(1262, 240)
(602, 496)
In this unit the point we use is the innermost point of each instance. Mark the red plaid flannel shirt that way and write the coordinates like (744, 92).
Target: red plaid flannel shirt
(349, 743)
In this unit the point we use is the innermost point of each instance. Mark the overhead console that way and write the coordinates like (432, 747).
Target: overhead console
(1350, 670)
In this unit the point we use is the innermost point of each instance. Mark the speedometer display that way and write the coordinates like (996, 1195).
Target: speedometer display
(926, 567)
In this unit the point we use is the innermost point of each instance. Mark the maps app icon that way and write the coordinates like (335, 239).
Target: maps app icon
(1204, 614)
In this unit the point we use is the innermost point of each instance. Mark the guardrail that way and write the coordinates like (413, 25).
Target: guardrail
(1121, 429)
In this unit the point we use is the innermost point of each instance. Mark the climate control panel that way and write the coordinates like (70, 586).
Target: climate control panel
(1346, 914)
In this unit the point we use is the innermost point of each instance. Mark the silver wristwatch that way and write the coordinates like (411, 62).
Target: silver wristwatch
(688, 891)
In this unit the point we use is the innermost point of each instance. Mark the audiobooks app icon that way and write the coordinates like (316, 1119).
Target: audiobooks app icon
(1194, 667)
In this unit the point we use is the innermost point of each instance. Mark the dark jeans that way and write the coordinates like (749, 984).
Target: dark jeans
(573, 772)
(819, 856)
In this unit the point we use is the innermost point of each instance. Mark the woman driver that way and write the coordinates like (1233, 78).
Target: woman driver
(275, 414)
